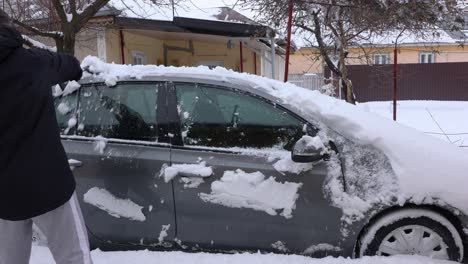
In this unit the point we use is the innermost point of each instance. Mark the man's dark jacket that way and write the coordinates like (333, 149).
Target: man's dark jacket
(35, 177)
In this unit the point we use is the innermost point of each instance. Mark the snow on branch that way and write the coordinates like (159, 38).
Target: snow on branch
(36, 44)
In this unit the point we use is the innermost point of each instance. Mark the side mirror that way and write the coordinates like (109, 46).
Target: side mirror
(308, 149)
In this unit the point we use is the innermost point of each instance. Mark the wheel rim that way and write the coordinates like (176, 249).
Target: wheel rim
(414, 240)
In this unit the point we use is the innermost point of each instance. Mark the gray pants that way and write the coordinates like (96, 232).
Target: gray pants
(65, 231)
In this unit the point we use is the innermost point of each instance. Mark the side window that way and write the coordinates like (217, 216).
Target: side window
(126, 111)
(217, 117)
(65, 110)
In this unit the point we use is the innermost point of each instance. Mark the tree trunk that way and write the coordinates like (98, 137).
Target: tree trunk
(346, 82)
(343, 51)
(69, 42)
(59, 44)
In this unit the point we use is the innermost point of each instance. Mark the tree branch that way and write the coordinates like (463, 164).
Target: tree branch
(90, 11)
(36, 30)
(60, 11)
(73, 8)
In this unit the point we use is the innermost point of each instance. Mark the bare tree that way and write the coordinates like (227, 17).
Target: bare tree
(60, 20)
(337, 25)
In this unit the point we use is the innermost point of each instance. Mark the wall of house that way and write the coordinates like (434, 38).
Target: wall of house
(305, 60)
(153, 48)
(86, 44)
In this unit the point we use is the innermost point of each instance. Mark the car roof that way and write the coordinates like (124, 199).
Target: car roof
(212, 79)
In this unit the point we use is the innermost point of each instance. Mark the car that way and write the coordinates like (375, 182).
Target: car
(213, 160)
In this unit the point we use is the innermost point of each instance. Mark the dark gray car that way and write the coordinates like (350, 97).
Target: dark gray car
(123, 141)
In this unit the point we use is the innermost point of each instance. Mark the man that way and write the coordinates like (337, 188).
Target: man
(36, 184)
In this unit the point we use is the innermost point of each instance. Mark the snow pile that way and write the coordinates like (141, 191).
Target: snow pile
(280, 246)
(191, 182)
(286, 164)
(41, 255)
(163, 233)
(63, 108)
(320, 247)
(239, 189)
(70, 88)
(114, 206)
(187, 170)
(427, 170)
(100, 144)
(313, 142)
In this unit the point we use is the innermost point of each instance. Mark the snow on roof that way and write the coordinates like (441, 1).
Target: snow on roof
(438, 36)
(147, 10)
(431, 37)
(428, 169)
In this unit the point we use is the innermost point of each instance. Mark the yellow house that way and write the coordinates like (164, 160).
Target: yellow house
(441, 49)
(183, 41)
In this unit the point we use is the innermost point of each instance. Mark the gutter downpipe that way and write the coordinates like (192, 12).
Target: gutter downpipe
(241, 57)
(255, 62)
(122, 46)
(273, 55)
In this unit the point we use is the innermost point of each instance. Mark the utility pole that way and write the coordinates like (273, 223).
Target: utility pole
(288, 42)
(395, 71)
(395, 75)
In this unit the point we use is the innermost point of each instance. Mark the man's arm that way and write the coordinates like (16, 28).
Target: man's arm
(59, 67)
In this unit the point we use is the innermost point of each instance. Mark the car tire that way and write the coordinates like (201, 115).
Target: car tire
(412, 232)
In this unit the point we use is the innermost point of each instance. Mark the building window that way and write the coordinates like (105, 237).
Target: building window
(138, 57)
(380, 58)
(426, 57)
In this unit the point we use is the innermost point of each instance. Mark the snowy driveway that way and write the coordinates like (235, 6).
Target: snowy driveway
(41, 255)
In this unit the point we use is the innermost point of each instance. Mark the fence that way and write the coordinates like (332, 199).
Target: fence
(436, 81)
(309, 81)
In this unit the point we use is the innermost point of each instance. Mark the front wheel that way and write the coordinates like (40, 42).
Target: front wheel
(412, 232)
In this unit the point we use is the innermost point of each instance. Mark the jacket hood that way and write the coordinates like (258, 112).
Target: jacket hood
(10, 39)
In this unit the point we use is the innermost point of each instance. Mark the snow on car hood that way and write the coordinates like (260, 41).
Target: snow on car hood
(428, 169)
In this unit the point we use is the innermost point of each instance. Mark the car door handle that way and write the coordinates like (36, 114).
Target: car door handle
(74, 163)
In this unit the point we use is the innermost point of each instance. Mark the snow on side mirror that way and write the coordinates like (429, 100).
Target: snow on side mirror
(308, 149)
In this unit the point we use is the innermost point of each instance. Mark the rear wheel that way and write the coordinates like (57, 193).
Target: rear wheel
(413, 232)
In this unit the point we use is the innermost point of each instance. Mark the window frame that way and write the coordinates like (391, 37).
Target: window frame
(138, 54)
(163, 124)
(173, 106)
(426, 53)
(72, 131)
(380, 55)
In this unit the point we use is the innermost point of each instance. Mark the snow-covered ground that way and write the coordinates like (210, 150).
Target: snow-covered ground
(41, 255)
(442, 119)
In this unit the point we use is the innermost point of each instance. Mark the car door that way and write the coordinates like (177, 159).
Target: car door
(116, 150)
(256, 197)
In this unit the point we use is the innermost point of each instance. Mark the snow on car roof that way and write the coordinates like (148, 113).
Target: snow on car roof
(428, 168)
